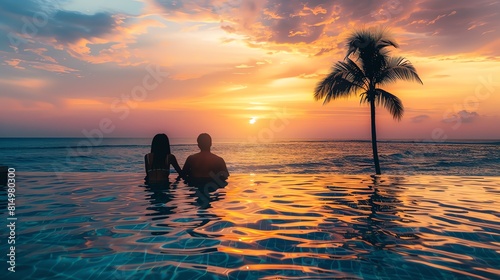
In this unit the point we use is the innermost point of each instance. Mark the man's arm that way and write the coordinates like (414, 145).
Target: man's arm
(223, 169)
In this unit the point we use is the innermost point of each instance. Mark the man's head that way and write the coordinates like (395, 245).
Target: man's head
(204, 142)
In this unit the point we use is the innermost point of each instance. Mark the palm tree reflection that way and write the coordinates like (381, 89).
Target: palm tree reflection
(380, 222)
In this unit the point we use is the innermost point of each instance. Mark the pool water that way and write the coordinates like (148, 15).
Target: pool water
(314, 226)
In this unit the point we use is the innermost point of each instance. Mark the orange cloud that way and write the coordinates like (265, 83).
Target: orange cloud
(30, 83)
(14, 63)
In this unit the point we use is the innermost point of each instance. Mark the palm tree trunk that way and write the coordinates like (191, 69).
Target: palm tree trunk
(374, 139)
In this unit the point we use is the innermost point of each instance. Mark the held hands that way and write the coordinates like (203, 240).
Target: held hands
(181, 176)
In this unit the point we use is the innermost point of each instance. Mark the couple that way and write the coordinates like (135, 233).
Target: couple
(200, 168)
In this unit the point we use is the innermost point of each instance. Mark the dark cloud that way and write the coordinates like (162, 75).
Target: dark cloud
(368, 12)
(172, 4)
(71, 26)
(196, 7)
(419, 118)
(429, 26)
(468, 116)
(441, 76)
(281, 21)
(24, 21)
(309, 21)
(295, 21)
(462, 117)
(453, 27)
(11, 8)
(228, 28)
(323, 51)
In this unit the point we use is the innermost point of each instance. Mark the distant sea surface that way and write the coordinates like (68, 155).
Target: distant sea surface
(462, 158)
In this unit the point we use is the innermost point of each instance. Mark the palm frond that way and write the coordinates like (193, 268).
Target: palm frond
(364, 98)
(369, 49)
(353, 72)
(369, 42)
(342, 82)
(367, 65)
(387, 43)
(398, 68)
(390, 102)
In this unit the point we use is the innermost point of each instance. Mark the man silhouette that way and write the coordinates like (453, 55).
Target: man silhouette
(204, 166)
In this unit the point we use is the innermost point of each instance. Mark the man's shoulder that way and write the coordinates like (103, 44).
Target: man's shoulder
(217, 157)
(194, 156)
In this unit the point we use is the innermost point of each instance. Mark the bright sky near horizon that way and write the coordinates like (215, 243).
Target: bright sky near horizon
(240, 68)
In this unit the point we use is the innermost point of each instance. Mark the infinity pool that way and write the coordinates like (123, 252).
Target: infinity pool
(108, 226)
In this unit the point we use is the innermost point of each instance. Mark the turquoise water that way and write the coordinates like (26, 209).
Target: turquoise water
(312, 226)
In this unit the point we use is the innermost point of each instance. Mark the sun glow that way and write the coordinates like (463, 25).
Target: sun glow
(252, 120)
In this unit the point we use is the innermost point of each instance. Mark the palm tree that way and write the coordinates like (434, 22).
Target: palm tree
(370, 67)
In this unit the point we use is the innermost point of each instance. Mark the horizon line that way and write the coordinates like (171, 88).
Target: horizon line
(287, 139)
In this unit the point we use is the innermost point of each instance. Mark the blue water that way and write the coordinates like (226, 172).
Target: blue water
(291, 210)
(284, 157)
(311, 226)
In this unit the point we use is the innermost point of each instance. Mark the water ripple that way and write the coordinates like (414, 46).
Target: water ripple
(260, 227)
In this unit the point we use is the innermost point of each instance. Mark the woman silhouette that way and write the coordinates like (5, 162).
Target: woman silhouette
(158, 162)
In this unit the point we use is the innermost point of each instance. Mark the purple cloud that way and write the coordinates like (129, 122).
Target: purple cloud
(462, 117)
(419, 118)
(430, 27)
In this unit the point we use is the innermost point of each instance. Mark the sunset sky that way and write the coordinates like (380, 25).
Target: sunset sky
(240, 68)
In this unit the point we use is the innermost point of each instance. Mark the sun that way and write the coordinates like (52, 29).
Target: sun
(252, 120)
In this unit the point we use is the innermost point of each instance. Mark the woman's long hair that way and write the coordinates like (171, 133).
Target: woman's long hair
(160, 148)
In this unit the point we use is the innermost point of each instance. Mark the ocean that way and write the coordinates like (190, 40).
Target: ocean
(59, 155)
(295, 209)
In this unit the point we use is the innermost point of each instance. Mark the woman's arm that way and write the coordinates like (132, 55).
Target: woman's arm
(146, 179)
(146, 163)
(176, 166)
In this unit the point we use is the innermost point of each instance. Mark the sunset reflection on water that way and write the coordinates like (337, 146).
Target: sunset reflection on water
(263, 226)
